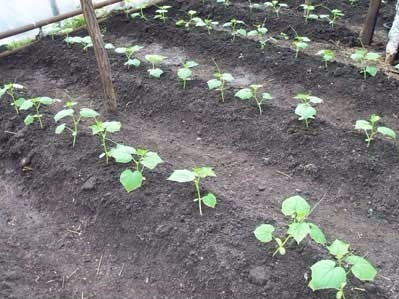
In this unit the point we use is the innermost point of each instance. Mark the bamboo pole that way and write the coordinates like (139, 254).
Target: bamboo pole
(103, 64)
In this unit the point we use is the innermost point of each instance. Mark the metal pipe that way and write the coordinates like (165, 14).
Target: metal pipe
(51, 20)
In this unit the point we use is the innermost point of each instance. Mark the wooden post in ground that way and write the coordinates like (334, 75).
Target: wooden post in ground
(103, 64)
(367, 33)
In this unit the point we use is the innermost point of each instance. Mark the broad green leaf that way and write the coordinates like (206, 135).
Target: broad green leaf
(46, 100)
(120, 50)
(209, 200)
(325, 275)
(131, 180)
(358, 55)
(267, 96)
(151, 160)
(17, 86)
(184, 73)
(154, 59)
(19, 102)
(387, 132)
(244, 94)
(182, 176)
(59, 129)
(112, 126)
(2, 91)
(295, 206)
(242, 32)
(301, 45)
(96, 128)
(315, 100)
(88, 113)
(26, 105)
(29, 120)
(298, 230)
(371, 70)
(135, 62)
(252, 33)
(264, 232)
(227, 77)
(372, 56)
(363, 125)
(109, 46)
(155, 72)
(361, 268)
(339, 249)
(305, 111)
(190, 64)
(214, 83)
(122, 153)
(317, 234)
(204, 172)
(63, 113)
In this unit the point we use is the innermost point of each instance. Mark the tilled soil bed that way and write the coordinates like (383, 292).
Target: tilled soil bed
(69, 230)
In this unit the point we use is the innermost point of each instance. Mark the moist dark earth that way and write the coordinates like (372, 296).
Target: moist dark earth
(69, 230)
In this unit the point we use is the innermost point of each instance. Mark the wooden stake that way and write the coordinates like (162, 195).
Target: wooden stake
(103, 64)
(367, 33)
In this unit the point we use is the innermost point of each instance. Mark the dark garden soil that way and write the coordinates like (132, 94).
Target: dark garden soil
(69, 230)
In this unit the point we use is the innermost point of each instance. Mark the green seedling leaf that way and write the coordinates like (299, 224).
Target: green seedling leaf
(63, 113)
(151, 160)
(361, 268)
(155, 72)
(387, 132)
(29, 120)
(372, 56)
(371, 70)
(26, 105)
(184, 73)
(325, 275)
(339, 249)
(296, 207)
(112, 126)
(214, 84)
(135, 62)
(244, 94)
(317, 234)
(203, 172)
(363, 125)
(88, 113)
(298, 230)
(209, 200)
(122, 153)
(264, 233)
(131, 180)
(305, 111)
(59, 129)
(182, 176)
(227, 77)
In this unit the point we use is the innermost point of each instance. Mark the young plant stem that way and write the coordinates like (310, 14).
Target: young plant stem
(14, 101)
(104, 139)
(197, 188)
(222, 90)
(37, 106)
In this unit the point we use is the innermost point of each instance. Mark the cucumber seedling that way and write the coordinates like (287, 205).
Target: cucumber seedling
(102, 129)
(304, 109)
(364, 57)
(250, 92)
(11, 89)
(191, 14)
(300, 43)
(184, 73)
(129, 53)
(161, 12)
(308, 12)
(140, 7)
(132, 178)
(371, 129)
(260, 33)
(335, 15)
(298, 209)
(332, 273)
(219, 82)
(36, 103)
(276, 6)
(327, 56)
(155, 59)
(85, 42)
(196, 175)
(70, 112)
(207, 23)
(234, 24)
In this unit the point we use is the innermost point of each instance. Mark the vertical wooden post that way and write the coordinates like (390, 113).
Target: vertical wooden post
(367, 33)
(103, 64)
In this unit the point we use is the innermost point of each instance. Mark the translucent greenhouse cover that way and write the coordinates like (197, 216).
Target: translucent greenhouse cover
(16, 13)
